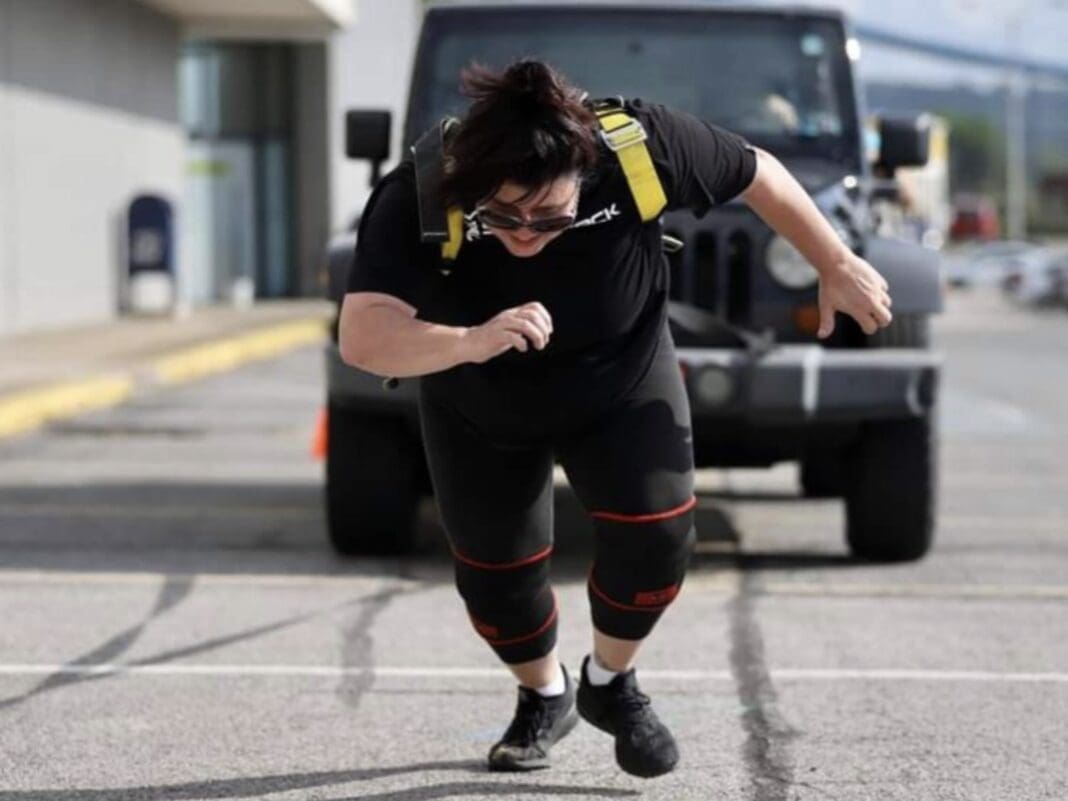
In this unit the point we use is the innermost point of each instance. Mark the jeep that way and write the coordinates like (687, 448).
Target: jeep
(857, 412)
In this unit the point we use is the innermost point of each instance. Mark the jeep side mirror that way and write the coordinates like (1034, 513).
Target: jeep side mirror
(367, 137)
(904, 141)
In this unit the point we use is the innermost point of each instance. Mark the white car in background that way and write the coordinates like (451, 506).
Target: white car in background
(1038, 277)
(986, 263)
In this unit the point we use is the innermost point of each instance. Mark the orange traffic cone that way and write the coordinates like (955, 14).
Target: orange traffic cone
(318, 443)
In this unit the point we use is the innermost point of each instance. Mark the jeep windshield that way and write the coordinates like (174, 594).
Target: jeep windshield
(783, 81)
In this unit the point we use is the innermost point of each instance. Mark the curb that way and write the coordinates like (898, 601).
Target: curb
(22, 412)
(25, 411)
(226, 354)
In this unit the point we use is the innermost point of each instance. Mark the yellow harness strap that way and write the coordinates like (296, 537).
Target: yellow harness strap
(451, 247)
(626, 137)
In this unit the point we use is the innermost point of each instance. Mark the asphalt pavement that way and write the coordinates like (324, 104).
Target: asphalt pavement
(175, 626)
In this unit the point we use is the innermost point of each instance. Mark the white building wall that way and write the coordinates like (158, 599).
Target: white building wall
(370, 67)
(88, 119)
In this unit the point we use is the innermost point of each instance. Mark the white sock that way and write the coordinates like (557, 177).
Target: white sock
(554, 687)
(597, 673)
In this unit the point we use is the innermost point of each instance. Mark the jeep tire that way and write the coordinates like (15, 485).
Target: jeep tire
(904, 331)
(891, 487)
(821, 474)
(373, 465)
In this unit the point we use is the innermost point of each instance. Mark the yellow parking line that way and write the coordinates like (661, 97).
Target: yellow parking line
(25, 411)
(219, 356)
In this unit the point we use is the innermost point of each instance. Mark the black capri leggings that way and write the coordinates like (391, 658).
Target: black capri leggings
(631, 467)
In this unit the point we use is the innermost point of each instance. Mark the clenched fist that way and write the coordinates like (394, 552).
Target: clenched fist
(518, 327)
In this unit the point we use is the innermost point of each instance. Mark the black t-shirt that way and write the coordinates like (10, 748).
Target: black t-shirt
(604, 281)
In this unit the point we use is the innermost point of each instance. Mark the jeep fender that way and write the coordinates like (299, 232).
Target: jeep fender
(913, 272)
(339, 254)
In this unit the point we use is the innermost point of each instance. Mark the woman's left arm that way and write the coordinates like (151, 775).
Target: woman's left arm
(847, 282)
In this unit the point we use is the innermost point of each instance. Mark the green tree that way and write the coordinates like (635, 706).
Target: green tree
(976, 155)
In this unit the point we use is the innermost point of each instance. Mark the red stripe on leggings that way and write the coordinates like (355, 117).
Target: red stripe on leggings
(483, 628)
(618, 518)
(541, 629)
(626, 607)
(529, 560)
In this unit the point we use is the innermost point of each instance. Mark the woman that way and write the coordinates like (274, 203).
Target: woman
(547, 339)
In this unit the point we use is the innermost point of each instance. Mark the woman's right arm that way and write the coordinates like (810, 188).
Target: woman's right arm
(379, 333)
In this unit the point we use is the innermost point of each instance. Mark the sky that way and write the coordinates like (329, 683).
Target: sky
(1032, 29)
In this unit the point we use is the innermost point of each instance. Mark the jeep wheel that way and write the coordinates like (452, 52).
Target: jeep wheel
(904, 331)
(372, 483)
(891, 490)
(821, 475)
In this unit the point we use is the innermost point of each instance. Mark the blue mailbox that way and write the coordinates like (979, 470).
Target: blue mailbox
(151, 235)
(150, 280)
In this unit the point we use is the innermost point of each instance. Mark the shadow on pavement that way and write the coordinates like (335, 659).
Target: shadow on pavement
(259, 786)
(171, 593)
(213, 528)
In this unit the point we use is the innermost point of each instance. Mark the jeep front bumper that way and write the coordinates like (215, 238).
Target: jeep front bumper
(790, 384)
(802, 383)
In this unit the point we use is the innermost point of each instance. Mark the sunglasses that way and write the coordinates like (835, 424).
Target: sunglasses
(544, 225)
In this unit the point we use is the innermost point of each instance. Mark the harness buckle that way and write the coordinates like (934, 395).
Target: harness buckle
(630, 133)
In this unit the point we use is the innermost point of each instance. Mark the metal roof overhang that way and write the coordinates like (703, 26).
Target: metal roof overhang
(258, 18)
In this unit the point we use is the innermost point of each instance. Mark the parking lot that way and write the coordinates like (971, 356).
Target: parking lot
(176, 627)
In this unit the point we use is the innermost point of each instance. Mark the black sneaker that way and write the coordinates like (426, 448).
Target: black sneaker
(538, 723)
(644, 745)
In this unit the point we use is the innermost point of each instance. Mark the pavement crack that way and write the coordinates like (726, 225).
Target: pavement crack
(766, 751)
(236, 787)
(358, 646)
(221, 642)
(173, 591)
(240, 636)
(260, 786)
(468, 790)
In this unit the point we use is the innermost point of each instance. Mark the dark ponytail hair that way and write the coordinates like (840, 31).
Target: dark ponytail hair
(527, 125)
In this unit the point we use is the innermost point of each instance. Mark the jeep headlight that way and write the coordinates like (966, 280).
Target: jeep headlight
(787, 266)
